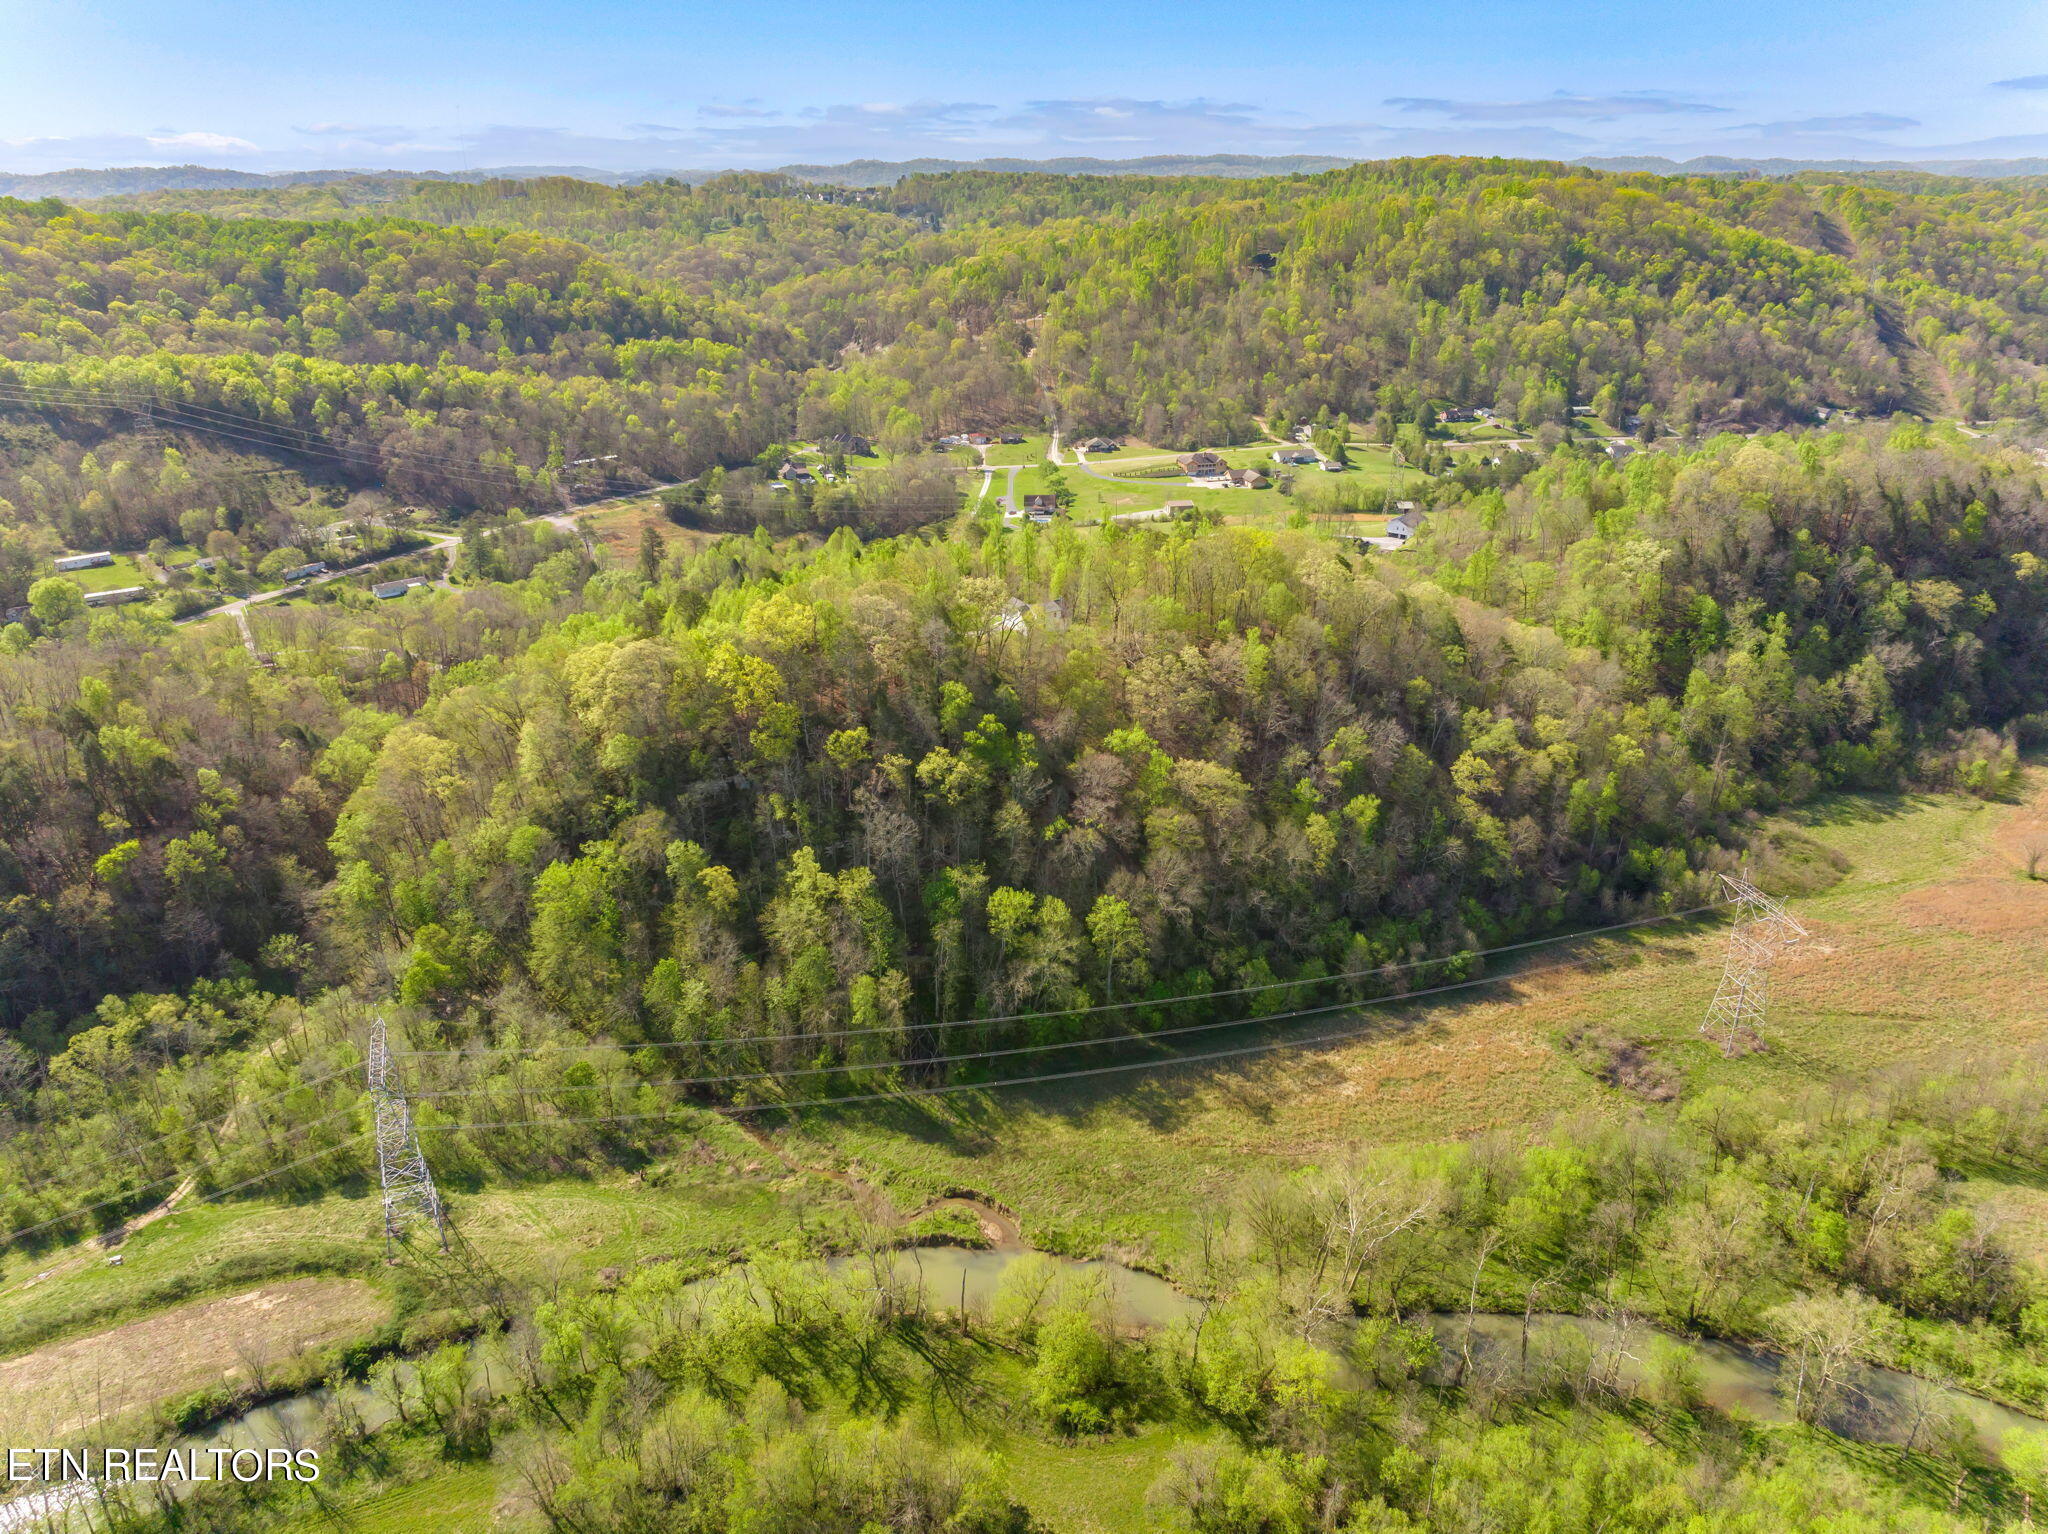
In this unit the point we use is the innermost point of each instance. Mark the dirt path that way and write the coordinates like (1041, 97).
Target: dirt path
(1000, 1227)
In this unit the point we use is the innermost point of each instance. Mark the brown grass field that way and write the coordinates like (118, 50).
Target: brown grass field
(58, 1390)
(1931, 942)
(619, 530)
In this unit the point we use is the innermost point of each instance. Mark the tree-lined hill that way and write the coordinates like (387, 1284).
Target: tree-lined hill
(1181, 308)
(836, 790)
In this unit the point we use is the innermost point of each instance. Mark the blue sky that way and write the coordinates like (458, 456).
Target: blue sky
(453, 84)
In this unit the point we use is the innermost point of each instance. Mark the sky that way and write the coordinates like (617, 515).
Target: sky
(459, 84)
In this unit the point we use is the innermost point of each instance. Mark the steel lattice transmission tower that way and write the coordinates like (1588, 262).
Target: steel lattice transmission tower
(1763, 929)
(408, 1184)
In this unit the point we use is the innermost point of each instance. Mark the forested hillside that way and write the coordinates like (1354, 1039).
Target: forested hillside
(461, 343)
(1046, 766)
(825, 774)
(1181, 308)
(850, 791)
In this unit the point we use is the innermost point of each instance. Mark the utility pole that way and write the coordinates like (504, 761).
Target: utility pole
(401, 1167)
(1763, 929)
(568, 505)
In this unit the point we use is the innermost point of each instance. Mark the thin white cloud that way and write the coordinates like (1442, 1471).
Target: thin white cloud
(211, 143)
(2022, 83)
(1854, 122)
(753, 134)
(1564, 106)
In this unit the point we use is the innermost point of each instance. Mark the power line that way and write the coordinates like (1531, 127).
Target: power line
(310, 442)
(279, 1171)
(1038, 1049)
(1109, 1006)
(1763, 929)
(154, 1182)
(402, 1169)
(953, 1088)
(903, 1093)
(77, 397)
(927, 1091)
(214, 421)
(233, 1109)
(383, 457)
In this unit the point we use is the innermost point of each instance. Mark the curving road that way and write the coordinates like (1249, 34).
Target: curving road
(446, 543)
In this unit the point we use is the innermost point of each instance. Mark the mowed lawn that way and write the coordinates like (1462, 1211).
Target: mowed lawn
(1372, 476)
(124, 571)
(1030, 450)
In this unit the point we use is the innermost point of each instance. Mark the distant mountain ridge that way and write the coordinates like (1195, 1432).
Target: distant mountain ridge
(1724, 165)
(123, 180)
(117, 181)
(888, 172)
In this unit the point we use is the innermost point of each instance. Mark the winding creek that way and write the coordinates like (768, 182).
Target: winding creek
(1882, 1405)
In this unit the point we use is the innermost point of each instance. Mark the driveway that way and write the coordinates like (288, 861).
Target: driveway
(447, 543)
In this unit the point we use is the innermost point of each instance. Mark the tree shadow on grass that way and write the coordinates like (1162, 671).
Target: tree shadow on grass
(1168, 1080)
(1859, 809)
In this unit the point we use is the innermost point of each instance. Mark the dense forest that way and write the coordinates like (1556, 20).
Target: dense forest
(826, 797)
(858, 785)
(1179, 308)
(464, 344)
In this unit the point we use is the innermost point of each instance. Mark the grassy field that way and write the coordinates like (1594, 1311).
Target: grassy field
(455, 1501)
(1030, 450)
(1091, 1487)
(727, 1195)
(619, 531)
(1372, 476)
(1932, 941)
(1083, 1487)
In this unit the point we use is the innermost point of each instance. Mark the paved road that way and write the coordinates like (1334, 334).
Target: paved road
(1007, 501)
(988, 477)
(239, 608)
(447, 543)
(1081, 462)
